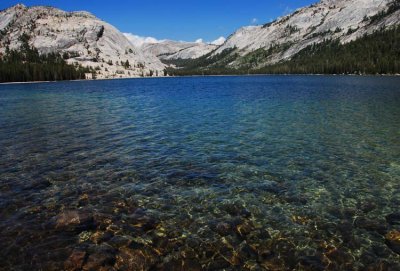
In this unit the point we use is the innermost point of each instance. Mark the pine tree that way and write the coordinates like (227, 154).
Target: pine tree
(127, 65)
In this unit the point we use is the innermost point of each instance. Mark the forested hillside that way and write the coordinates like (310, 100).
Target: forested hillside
(378, 53)
(27, 64)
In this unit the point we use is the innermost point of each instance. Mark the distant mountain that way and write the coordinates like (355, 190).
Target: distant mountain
(252, 48)
(167, 50)
(80, 37)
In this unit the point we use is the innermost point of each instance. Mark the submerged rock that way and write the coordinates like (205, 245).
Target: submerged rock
(236, 209)
(312, 263)
(139, 219)
(367, 206)
(393, 240)
(38, 185)
(75, 221)
(100, 236)
(134, 259)
(232, 227)
(371, 225)
(218, 263)
(384, 265)
(75, 260)
(119, 241)
(247, 252)
(100, 257)
(181, 265)
(243, 229)
(345, 228)
(340, 258)
(84, 236)
(295, 200)
(224, 228)
(393, 219)
(381, 250)
(264, 254)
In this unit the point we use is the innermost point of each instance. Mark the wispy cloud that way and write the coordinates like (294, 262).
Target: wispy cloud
(254, 21)
(288, 10)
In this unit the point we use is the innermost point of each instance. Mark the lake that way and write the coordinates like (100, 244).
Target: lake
(212, 173)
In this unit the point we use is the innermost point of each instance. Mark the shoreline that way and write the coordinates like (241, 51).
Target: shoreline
(197, 75)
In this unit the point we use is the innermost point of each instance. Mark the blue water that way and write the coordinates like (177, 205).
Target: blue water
(212, 173)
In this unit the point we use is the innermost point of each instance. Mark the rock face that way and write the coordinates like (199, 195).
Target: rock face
(167, 50)
(80, 37)
(346, 20)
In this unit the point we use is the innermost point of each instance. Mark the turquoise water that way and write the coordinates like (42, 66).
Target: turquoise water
(234, 173)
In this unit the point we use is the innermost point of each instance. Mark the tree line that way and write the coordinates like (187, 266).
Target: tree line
(26, 64)
(377, 53)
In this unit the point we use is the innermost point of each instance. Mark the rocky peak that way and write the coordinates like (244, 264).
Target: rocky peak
(80, 37)
(17, 7)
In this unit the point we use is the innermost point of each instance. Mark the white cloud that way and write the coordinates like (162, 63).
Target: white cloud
(139, 41)
(254, 20)
(218, 41)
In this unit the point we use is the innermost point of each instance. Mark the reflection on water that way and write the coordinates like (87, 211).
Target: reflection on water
(234, 173)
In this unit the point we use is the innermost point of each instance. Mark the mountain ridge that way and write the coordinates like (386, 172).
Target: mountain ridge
(80, 36)
(343, 19)
(169, 49)
(252, 48)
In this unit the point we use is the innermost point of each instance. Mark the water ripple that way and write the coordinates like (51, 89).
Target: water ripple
(249, 173)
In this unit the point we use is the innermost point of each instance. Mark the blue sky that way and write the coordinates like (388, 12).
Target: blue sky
(177, 19)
